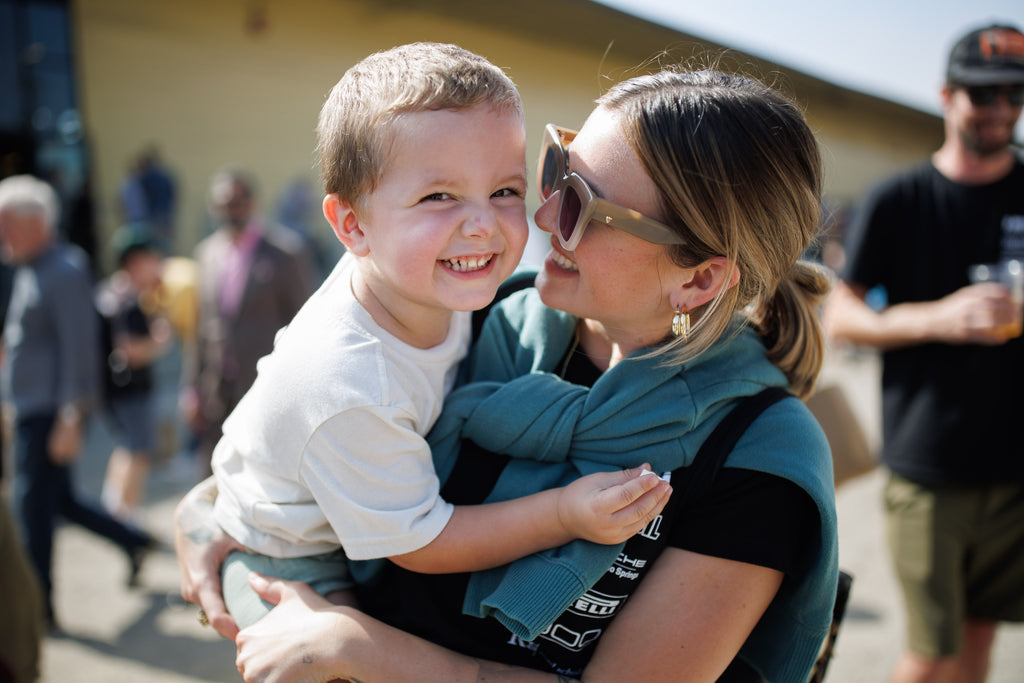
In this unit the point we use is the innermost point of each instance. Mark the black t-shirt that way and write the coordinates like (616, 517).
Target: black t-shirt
(747, 516)
(121, 314)
(948, 415)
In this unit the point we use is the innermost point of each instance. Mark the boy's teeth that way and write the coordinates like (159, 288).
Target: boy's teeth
(563, 261)
(466, 264)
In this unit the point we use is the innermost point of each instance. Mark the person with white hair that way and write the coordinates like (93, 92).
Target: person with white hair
(50, 376)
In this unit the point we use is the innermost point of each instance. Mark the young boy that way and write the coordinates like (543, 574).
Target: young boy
(422, 151)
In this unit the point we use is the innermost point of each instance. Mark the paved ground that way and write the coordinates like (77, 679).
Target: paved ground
(116, 634)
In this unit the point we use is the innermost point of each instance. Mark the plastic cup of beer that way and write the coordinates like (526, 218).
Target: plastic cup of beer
(1011, 275)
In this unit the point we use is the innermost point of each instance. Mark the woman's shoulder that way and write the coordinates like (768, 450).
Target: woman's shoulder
(787, 441)
(787, 424)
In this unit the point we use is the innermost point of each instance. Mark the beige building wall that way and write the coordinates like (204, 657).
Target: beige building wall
(863, 139)
(240, 82)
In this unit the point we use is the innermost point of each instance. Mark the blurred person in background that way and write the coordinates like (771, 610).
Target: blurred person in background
(133, 339)
(131, 199)
(253, 277)
(50, 377)
(21, 619)
(148, 194)
(298, 208)
(160, 192)
(955, 496)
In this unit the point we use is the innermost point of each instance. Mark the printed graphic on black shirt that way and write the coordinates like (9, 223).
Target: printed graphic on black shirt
(1012, 243)
(568, 644)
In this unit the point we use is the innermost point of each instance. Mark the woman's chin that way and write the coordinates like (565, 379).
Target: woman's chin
(554, 283)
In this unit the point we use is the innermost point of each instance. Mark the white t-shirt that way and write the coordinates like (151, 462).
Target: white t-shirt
(328, 446)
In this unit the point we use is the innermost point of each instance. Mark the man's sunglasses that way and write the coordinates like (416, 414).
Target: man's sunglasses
(986, 95)
(578, 205)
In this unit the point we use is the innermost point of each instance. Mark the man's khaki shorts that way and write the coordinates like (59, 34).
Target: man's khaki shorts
(958, 554)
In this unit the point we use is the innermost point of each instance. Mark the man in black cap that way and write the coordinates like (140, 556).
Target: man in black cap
(952, 369)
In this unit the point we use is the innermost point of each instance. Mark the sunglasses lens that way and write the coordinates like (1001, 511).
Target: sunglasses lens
(982, 96)
(986, 96)
(549, 172)
(568, 213)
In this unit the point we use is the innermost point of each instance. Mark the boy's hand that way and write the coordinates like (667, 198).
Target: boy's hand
(610, 507)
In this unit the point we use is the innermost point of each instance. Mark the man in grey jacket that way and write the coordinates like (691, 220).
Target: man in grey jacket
(50, 376)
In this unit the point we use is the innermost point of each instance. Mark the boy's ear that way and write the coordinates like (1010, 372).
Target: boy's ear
(345, 224)
(706, 281)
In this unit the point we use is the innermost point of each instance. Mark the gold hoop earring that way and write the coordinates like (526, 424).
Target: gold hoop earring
(681, 324)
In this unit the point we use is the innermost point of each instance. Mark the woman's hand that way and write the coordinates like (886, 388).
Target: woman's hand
(301, 639)
(306, 638)
(685, 622)
(201, 547)
(610, 507)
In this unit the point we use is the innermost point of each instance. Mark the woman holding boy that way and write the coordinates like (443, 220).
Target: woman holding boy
(678, 216)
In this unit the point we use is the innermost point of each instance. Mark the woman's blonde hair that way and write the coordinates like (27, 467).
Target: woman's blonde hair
(354, 132)
(738, 172)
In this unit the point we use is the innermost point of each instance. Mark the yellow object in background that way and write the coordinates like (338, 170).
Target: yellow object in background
(177, 299)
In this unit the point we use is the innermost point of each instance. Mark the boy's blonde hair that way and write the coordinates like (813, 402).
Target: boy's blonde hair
(355, 128)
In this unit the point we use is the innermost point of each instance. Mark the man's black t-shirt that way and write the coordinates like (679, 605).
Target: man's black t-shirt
(948, 410)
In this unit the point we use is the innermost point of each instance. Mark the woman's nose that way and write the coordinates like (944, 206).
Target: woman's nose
(547, 215)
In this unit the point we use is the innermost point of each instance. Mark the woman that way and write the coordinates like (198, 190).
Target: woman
(678, 214)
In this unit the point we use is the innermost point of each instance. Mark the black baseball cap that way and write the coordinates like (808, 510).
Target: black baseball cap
(993, 55)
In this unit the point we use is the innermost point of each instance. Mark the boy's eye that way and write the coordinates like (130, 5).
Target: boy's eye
(436, 197)
(507, 192)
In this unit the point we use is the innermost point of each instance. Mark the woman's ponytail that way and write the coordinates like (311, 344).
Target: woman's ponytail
(790, 326)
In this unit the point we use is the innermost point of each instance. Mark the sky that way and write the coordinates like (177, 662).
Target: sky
(895, 49)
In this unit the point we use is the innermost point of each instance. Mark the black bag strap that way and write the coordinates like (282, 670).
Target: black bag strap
(716, 448)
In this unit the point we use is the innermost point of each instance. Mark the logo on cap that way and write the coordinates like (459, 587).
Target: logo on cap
(1001, 42)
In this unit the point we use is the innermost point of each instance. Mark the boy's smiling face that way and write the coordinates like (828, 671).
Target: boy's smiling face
(446, 224)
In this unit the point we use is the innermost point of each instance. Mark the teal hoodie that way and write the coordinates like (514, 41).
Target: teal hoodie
(638, 411)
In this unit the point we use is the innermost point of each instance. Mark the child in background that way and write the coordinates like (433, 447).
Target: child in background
(134, 339)
(422, 152)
